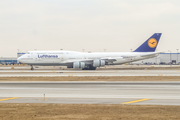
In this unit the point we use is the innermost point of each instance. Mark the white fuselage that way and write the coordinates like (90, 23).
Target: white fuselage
(66, 58)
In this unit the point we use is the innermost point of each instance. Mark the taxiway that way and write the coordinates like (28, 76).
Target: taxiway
(149, 93)
(49, 73)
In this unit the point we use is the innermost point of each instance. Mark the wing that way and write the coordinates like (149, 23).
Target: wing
(115, 60)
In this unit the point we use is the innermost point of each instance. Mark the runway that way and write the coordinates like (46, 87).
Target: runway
(50, 73)
(140, 93)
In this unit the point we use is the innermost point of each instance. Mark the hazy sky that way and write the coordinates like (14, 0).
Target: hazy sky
(93, 25)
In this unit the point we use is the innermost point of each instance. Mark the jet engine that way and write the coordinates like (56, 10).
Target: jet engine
(77, 65)
(98, 63)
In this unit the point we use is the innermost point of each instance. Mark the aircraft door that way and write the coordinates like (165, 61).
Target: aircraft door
(61, 57)
(34, 57)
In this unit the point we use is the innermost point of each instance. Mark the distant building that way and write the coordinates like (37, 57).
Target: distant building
(163, 58)
(8, 60)
(20, 54)
(170, 58)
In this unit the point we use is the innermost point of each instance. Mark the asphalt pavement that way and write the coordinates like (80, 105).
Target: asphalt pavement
(142, 93)
(55, 73)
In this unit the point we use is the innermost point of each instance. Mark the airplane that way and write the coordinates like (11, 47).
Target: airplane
(90, 61)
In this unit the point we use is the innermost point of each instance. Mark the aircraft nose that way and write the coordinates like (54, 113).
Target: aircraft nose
(19, 59)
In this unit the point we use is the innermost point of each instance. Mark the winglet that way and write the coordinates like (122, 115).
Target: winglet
(150, 44)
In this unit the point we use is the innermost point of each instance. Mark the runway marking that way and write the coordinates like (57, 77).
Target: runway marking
(9, 98)
(135, 101)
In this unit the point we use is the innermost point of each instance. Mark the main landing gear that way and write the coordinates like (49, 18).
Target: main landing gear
(90, 67)
(32, 67)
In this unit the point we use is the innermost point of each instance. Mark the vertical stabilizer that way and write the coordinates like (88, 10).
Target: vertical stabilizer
(150, 44)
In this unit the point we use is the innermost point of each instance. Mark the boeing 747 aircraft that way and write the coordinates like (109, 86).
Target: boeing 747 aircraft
(90, 61)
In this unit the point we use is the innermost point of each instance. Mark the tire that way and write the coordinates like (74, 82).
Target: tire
(92, 68)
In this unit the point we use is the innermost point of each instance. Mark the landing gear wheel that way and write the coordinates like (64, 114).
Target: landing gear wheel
(85, 69)
(90, 67)
(32, 68)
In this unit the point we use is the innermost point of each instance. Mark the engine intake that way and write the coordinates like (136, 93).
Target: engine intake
(98, 63)
(77, 65)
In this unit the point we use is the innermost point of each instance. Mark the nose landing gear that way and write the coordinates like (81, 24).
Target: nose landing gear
(32, 67)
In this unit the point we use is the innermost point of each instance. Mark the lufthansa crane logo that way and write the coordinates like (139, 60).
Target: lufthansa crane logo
(152, 43)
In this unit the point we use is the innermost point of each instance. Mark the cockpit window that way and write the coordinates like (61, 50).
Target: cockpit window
(28, 52)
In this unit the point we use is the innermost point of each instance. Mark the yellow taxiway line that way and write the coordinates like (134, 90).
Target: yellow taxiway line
(135, 101)
(9, 98)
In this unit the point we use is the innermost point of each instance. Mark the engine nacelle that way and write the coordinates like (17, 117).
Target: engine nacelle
(77, 65)
(98, 63)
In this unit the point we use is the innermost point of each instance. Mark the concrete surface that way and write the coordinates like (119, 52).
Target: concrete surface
(149, 93)
(17, 73)
(27, 67)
